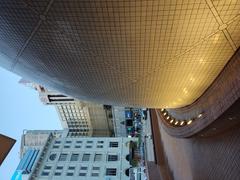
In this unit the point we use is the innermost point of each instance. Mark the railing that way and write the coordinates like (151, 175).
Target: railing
(40, 158)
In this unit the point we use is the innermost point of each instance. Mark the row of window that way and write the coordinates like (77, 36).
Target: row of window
(77, 146)
(85, 157)
(89, 144)
(77, 142)
(76, 134)
(82, 172)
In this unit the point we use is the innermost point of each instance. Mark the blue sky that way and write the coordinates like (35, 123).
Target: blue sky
(20, 109)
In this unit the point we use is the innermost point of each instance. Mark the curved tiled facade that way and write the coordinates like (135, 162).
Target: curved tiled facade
(182, 56)
(224, 91)
(130, 53)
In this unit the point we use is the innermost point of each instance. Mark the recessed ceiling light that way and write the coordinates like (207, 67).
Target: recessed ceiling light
(189, 122)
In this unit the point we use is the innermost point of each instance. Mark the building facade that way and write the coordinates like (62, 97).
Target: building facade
(82, 118)
(57, 156)
(119, 121)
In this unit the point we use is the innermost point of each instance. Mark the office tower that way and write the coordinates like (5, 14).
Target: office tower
(54, 155)
(82, 118)
(6, 144)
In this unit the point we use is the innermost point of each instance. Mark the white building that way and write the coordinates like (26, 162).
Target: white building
(82, 118)
(61, 157)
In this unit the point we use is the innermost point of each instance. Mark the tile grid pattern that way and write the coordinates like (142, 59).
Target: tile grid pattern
(151, 53)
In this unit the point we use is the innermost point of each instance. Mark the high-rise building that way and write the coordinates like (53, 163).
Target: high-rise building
(54, 155)
(82, 118)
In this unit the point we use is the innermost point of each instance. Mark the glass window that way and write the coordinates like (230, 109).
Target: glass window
(55, 147)
(78, 142)
(68, 142)
(47, 167)
(113, 144)
(89, 141)
(101, 142)
(69, 174)
(98, 157)
(86, 157)
(88, 147)
(77, 146)
(111, 171)
(74, 157)
(66, 146)
(44, 173)
(95, 174)
(62, 157)
(96, 168)
(57, 142)
(112, 157)
(71, 167)
(99, 146)
(84, 168)
(82, 174)
(59, 167)
(57, 174)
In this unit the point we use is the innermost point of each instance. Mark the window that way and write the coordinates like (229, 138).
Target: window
(62, 157)
(57, 142)
(113, 144)
(77, 146)
(89, 141)
(74, 157)
(69, 174)
(47, 167)
(99, 146)
(78, 142)
(86, 157)
(96, 168)
(111, 171)
(83, 168)
(57, 174)
(112, 157)
(55, 147)
(88, 147)
(100, 142)
(95, 174)
(59, 167)
(66, 146)
(71, 167)
(68, 142)
(98, 157)
(82, 174)
(44, 173)
(83, 171)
